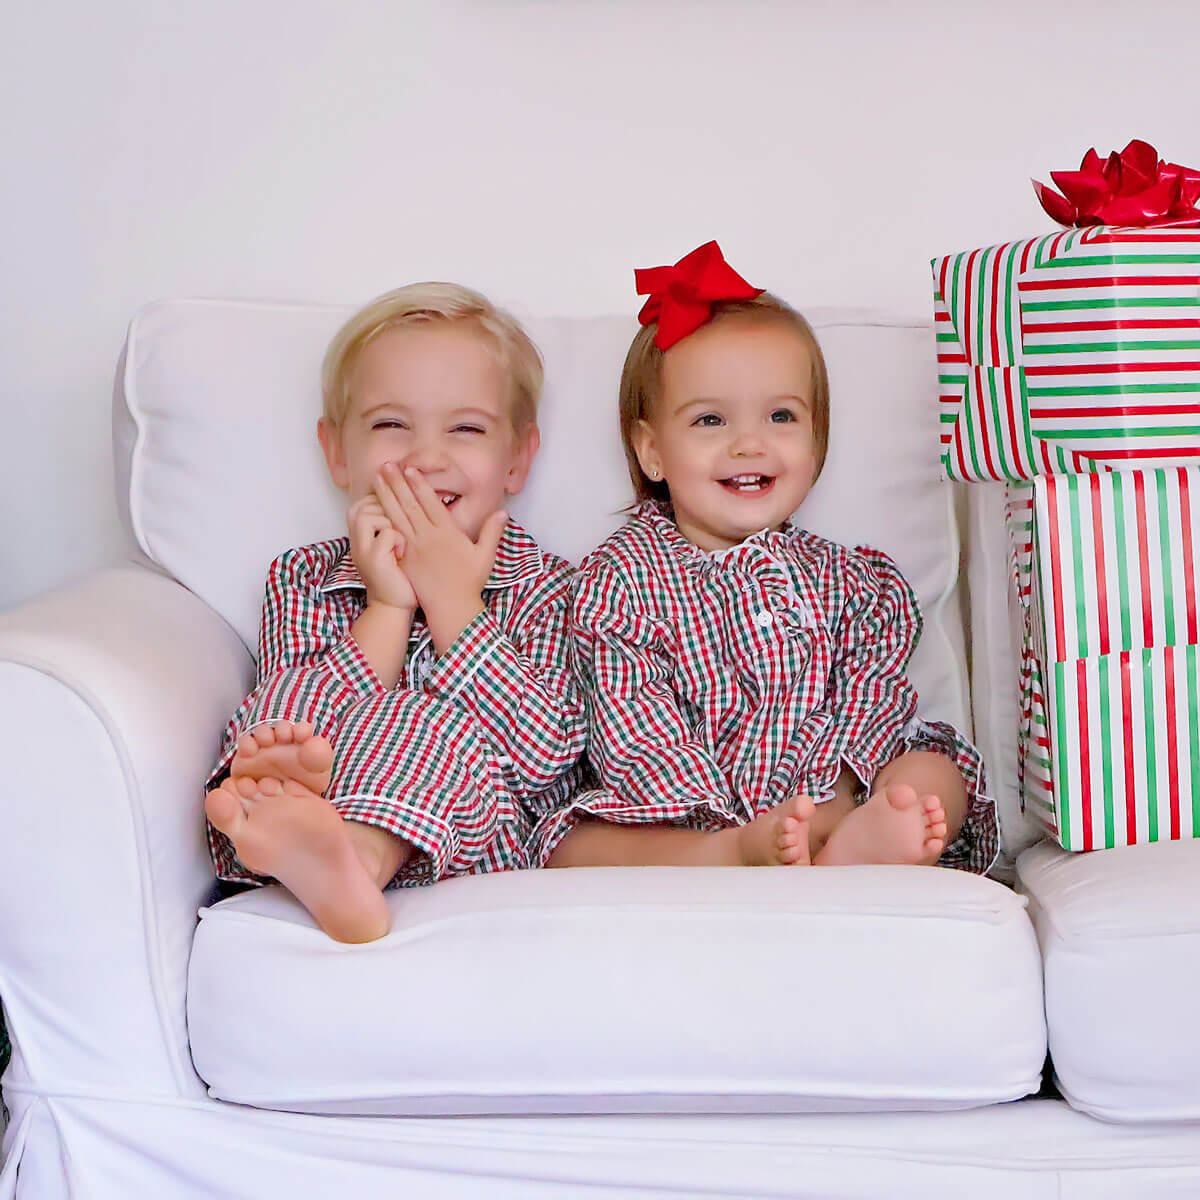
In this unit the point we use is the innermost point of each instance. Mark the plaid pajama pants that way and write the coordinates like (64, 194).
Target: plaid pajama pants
(461, 815)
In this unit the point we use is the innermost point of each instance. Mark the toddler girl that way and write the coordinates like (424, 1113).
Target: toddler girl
(744, 678)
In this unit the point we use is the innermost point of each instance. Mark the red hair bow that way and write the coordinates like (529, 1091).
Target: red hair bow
(682, 296)
(1132, 188)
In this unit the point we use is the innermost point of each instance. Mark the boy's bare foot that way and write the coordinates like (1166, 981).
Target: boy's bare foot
(288, 831)
(778, 837)
(894, 826)
(284, 750)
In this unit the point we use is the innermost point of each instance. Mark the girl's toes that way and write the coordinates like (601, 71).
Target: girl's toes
(901, 796)
(270, 786)
(301, 731)
(283, 732)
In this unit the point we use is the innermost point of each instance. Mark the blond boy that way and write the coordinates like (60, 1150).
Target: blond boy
(414, 705)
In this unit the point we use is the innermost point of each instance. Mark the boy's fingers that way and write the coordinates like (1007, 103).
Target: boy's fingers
(365, 511)
(490, 535)
(368, 522)
(408, 501)
(390, 504)
(427, 498)
(391, 542)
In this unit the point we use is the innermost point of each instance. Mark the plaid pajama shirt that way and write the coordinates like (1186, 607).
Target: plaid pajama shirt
(466, 751)
(718, 685)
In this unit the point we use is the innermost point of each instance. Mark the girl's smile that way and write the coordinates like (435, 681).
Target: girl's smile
(732, 430)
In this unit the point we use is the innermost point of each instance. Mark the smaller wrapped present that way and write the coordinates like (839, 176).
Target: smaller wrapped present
(1105, 569)
(1078, 351)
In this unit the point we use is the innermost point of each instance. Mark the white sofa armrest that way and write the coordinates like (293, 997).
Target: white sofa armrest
(113, 693)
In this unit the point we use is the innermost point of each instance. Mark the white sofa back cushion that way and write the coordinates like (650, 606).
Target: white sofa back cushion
(218, 467)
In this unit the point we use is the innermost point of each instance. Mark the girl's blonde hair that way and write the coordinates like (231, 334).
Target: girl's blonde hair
(421, 303)
(641, 383)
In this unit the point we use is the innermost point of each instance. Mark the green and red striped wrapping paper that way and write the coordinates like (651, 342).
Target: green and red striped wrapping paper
(1072, 353)
(1105, 569)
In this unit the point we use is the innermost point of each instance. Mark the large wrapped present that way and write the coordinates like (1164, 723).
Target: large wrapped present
(1078, 351)
(1105, 569)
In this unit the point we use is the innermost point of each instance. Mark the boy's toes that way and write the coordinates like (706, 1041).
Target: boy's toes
(224, 809)
(265, 736)
(315, 754)
(244, 785)
(249, 744)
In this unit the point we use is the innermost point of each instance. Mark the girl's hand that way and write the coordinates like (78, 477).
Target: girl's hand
(375, 547)
(447, 569)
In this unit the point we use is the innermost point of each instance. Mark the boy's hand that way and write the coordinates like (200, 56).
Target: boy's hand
(376, 546)
(446, 568)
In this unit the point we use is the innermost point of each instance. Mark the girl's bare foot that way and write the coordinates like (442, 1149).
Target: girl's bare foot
(778, 837)
(288, 831)
(894, 826)
(284, 750)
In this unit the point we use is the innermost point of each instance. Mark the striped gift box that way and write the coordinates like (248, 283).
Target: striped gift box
(1070, 354)
(1104, 569)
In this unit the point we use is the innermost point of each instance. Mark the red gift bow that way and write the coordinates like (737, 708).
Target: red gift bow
(1132, 188)
(682, 296)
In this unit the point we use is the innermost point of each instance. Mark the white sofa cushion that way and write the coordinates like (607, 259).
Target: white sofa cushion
(218, 467)
(629, 990)
(1120, 934)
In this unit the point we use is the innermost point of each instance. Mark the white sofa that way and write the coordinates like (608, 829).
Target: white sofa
(844, 1032)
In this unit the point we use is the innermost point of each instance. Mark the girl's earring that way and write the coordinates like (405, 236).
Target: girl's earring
(654, 474)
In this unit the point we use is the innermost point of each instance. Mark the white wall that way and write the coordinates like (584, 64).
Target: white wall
(540, 151)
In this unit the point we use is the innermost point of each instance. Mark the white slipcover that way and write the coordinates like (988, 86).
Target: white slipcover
(122, 680)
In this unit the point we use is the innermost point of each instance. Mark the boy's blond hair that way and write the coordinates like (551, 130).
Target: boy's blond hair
(421, 303)
(641, 383)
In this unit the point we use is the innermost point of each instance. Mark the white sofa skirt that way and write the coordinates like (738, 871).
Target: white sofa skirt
(108, 1149)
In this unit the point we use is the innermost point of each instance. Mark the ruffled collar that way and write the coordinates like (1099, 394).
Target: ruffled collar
(660, 516)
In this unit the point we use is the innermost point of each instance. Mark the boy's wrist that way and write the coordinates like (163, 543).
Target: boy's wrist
(387, 611)
(381, 632)
(448, 617)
